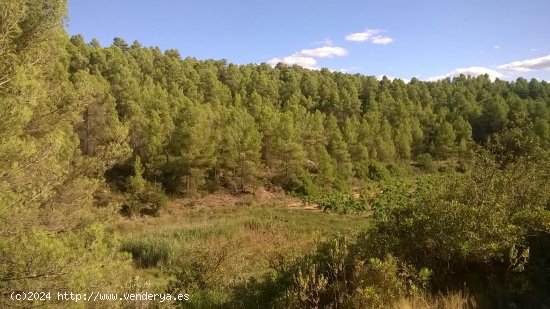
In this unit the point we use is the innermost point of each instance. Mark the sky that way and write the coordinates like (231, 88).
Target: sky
(426, 39)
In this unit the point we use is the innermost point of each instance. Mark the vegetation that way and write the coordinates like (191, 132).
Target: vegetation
(439, 191)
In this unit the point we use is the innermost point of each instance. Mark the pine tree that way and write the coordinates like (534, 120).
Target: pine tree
(51, 236)
(338, 150)
(240, 149)
(445, 140)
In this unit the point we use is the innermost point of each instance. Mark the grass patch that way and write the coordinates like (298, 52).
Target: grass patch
(246, 238)
(148, 252)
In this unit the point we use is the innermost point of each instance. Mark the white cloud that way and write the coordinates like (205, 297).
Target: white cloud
(382, 40)
(323, 52)
(362, 36)
(306, 62)
(306, 57)
(325, 42)
(370, 35)
(471, 71)
(535, 64)
(380, 77)
(349, 70)
(496, 47)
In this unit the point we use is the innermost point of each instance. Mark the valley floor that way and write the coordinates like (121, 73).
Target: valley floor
(236, 238)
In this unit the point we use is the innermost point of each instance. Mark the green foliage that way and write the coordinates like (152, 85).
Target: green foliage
(70, 111)
(52, 237)
(145, 197)
(483, 220)
(301, 184)
(136, 182)
(334, 276)
(148, 252)
(429, 235)
(203, 125)
(339, 202)
(377, 171)
(425, 162)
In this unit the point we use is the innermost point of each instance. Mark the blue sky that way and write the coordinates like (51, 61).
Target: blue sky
(427, 39)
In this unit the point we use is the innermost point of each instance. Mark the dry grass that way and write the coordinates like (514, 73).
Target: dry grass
(457, 300)
(258, 228)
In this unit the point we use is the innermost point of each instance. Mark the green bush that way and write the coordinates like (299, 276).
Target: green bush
(154, 198)
(377, 171)
(300, 184)
(202, 270)
(483, 220)
(147, 201)
(425, 162)
(339, 202)
(334, 276)
(395, 170)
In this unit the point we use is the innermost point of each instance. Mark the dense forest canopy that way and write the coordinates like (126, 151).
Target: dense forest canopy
(202, 124)
(80, 123)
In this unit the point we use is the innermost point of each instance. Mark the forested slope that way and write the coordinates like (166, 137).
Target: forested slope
(198, 125)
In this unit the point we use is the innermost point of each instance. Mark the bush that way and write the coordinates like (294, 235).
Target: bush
(300, 184)
(332, 277)
(377, 171)
(339, 202)
(153, 198)
(475, 228)
(425, 162)
(148, 201)
(396, 170)
(145, 197)
(201, 270)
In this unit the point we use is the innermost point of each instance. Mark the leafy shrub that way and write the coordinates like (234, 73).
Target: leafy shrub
(425, 162)
(154, 197)
(334, 276)
(300, 184)
(481, 220)
(339, 202)
(148, 201)
(377, 171)
(201, 271)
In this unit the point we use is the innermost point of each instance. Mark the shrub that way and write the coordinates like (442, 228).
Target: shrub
(425, 162)
(339, 202)
(300, 184)
(147, 201)
(377, 171)
(201, 271)
(153, 198)
(334, 276)
(144, 197)
(483, 220)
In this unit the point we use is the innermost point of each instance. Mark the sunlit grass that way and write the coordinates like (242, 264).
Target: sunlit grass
(253, 235)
